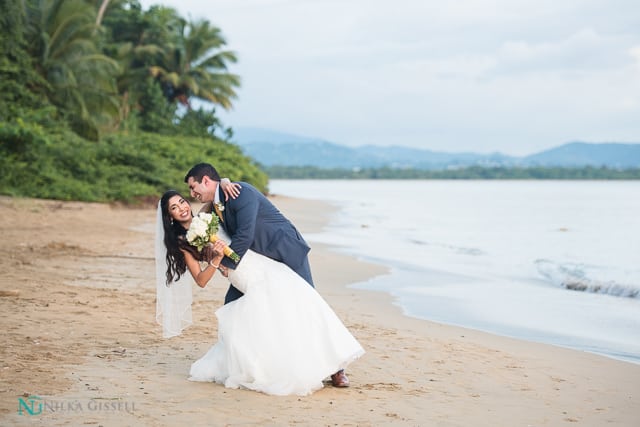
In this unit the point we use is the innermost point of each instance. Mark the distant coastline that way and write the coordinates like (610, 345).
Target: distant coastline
(473, 172)
(276, 149)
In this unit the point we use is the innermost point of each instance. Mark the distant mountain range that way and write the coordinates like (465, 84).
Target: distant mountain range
(272, 148)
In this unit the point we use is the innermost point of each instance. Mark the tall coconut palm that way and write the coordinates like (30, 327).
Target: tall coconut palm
(101, 11)
(136, 39)
(62, 41)
(195, 65)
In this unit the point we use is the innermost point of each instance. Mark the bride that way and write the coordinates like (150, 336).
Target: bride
(280, 338)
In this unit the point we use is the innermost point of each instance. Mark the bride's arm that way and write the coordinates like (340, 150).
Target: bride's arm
(200, 275)
(230, 189)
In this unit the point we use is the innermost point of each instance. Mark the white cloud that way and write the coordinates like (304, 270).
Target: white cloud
(485, 75)
(634, 52)
(580, 51)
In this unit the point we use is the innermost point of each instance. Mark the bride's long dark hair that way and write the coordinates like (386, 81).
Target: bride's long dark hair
(174, 240)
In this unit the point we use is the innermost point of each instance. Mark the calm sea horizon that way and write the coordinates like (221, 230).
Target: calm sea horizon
(556, 262)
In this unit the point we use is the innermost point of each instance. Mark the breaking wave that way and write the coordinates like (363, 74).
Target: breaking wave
(576, 277)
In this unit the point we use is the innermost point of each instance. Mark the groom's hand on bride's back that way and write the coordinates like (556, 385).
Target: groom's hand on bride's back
(224, 271)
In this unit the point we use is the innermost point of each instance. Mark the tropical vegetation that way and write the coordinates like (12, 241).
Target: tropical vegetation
(101, 100)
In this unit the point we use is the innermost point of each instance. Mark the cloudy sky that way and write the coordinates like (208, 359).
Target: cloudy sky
(515, 76)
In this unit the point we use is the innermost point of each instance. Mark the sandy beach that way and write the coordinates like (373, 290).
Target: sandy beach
(81, 343)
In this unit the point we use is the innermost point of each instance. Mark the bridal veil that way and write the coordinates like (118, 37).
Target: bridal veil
(173, 301)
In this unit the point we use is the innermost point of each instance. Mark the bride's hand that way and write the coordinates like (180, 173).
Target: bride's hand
(218, 248)
(230, 189)
(214, 252)
(209, 253)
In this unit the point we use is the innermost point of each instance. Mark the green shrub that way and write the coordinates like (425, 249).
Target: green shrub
(122, 167)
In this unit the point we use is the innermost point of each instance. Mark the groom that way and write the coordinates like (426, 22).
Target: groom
(253, 222)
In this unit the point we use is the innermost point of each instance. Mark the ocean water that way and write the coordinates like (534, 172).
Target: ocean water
(547, 261)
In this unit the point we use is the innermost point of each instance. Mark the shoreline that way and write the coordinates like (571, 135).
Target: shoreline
(506, 300)
(82, 327)
(431, 274)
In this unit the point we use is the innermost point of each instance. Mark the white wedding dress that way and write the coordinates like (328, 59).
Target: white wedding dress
(280, 338)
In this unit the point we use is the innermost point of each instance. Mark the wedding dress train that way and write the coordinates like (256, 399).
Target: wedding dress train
(280, 338)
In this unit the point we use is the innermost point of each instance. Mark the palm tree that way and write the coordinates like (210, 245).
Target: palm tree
(163, 57)
(138, 41)
(195, 65)
(82, 80)
(101, 11)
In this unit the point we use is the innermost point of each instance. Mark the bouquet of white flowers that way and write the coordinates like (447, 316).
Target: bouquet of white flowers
(202, 231)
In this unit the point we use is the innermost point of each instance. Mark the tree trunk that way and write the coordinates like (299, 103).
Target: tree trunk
(103, 8)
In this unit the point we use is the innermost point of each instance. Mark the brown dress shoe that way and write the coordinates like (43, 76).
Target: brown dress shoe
(339, 379)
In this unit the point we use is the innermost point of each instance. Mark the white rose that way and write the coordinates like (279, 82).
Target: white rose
(206, 217)
(199, 227)
(191, 235)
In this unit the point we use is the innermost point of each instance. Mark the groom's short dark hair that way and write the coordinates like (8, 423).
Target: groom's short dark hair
(200, 170)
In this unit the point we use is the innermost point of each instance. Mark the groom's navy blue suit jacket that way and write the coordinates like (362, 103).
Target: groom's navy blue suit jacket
(253, 222)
